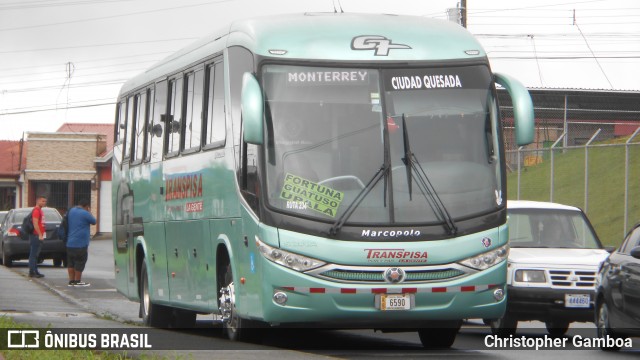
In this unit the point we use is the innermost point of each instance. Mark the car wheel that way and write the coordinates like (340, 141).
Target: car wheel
(439, 337)
(602, 324)
(6, 258)
(557, 328)
(152, 314)
(504, 326)
(236, 328)
(57, 262)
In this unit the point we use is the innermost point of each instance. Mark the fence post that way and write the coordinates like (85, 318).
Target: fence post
(565, 126)
(586, 171)
(551, 176)
(626, 180)
(519, 170)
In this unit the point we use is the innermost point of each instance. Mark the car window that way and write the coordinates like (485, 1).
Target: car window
(550, 228)
(633, 240)
(50, 214)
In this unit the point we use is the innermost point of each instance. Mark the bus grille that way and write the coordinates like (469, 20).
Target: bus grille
(378, 275)
(581, 279)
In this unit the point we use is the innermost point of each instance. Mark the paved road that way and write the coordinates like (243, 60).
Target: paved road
(101, 298)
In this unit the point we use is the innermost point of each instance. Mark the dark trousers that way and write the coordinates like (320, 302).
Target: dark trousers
(35, 245)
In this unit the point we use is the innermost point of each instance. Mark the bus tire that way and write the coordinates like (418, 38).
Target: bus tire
(235, 327)
(440, 336)
(152, 314)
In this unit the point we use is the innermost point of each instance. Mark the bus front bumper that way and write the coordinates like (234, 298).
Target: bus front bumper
(299, 298)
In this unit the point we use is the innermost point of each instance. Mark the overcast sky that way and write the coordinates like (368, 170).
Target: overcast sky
(65, 60)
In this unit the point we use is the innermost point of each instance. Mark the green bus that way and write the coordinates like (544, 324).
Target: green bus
(316, 170)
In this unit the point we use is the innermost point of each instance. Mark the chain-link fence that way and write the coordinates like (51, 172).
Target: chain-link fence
(584, 154)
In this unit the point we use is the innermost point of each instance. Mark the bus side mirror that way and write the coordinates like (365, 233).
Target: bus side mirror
(522, 108)
(252, 109)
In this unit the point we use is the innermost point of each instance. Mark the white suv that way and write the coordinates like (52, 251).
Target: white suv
(552, 267)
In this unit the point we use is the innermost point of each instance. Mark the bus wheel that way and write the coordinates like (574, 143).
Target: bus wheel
(152, 314)
(440, 336)
(236, 328)
(504, 327)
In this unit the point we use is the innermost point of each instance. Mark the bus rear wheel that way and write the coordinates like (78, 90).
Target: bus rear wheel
(236, 328)
(440, 336)
(152, 314)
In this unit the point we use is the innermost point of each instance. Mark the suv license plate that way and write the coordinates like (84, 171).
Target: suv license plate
(577, 300)
(395, 302)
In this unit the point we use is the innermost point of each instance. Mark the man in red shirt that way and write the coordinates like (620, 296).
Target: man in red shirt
(37, 237)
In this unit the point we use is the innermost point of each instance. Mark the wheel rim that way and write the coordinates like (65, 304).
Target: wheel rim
(146, 301)
(603, 320)
(227, 307)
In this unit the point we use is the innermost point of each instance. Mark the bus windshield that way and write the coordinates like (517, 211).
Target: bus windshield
(334, 134)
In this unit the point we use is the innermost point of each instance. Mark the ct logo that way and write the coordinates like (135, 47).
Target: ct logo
(380, 44)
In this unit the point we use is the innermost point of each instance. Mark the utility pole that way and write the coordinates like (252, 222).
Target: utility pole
(463, 13)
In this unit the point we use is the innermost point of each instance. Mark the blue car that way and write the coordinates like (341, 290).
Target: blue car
(618, 293)
(13, 247)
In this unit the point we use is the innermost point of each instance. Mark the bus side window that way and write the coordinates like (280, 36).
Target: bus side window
(194, 83)
(174, 118)
(121, 122)
(241, 61)
(214, 126)
(159, 124)
(148, 135)
(140, 116)
(129, 128)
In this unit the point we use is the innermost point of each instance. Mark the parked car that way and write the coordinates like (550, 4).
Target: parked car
(14, 248)
(3, 214)
(618, 292)
(552, 265)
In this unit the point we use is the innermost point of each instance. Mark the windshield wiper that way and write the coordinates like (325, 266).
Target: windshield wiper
(358, 199)
(424, 184)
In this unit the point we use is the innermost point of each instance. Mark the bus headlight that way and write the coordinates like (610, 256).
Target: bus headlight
(288, 259)
(488, 259)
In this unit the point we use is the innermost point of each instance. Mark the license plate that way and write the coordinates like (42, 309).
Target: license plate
(395, 302)
(577, 300)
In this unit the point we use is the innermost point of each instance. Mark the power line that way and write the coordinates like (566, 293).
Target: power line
(55, 109)
(43, 4)
(589, 46)
(114, 16)
(98, 45)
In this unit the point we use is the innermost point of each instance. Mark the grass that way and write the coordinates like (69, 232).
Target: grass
(606, 185)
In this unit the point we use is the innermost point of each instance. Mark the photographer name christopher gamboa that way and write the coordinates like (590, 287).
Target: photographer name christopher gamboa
(523, 342)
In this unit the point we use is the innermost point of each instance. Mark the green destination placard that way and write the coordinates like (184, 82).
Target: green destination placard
(303, 194)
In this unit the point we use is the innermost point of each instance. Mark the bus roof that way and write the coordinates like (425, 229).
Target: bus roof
(329, 37)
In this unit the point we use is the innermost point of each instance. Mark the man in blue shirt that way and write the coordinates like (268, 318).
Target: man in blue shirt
(80, 219)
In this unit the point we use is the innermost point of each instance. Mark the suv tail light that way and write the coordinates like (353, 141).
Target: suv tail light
(14, 232)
